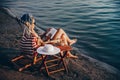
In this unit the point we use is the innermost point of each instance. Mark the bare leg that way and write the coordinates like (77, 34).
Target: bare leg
(71, 55)
(61, 32)
(64, 39)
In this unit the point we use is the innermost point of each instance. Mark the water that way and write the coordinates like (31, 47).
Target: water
(95, 23)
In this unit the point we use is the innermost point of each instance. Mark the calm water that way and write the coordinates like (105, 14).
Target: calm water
(95, 23)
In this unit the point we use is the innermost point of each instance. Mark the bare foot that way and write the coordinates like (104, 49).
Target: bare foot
(72, 41)
(71, 56)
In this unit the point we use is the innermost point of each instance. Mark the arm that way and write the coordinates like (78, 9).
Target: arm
(39, 40)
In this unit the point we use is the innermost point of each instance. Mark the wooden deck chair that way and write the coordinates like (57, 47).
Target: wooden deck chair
(49, 64)
(24, 61)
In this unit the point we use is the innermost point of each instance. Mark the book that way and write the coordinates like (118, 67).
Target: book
(51, 32)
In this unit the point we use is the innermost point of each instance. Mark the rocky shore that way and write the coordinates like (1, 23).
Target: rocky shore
(83, 68)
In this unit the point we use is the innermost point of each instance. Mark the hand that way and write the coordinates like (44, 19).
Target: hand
(42, 44)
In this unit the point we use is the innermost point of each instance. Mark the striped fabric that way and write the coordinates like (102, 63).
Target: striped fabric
(28, 44)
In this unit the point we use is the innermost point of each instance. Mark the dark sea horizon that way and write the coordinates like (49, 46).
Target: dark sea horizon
(95, 23)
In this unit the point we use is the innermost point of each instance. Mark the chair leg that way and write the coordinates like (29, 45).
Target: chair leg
(17, 61)
(62, 60)
(43, 61)
(47, 67)
(17, 58)
(26, 66)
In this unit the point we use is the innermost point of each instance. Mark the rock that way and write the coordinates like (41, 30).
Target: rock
(10, 30)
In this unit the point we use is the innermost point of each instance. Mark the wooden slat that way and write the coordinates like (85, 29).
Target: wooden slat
(17, 58)
(26, 66)
(61, 69)
(38, 59)
(51, 60)
(52, 66)
(49, 66)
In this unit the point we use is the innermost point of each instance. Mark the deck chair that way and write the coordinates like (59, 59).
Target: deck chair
(51, 66)
(24, 61)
